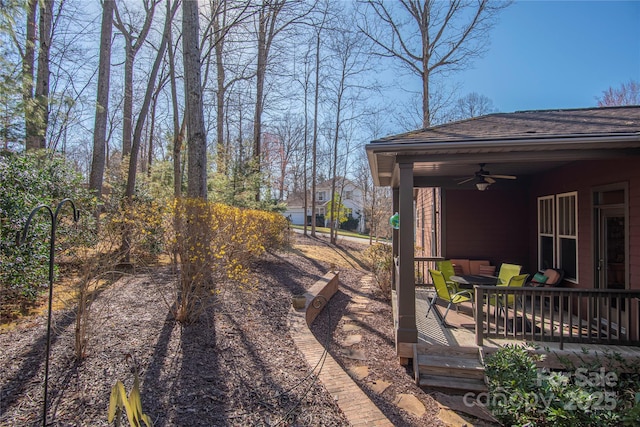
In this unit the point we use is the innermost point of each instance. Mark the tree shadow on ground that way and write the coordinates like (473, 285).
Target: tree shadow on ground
(32, 363)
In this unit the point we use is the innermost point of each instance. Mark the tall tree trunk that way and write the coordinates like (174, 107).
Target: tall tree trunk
(305, 183)
(41, 105)
(333, 230)
(221, 160)
(426, 108)
(178, 131)
(260, 76)
(314, 149)
(102, 101)
(127, 108)
(28, 76)
(195, 280)
(152, 125)
(196, 134)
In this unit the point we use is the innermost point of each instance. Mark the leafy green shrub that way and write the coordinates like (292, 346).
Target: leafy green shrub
(29, 180)
(380, 258)
(604, 392)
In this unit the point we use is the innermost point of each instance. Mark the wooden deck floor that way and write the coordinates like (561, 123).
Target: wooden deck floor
(460, 332)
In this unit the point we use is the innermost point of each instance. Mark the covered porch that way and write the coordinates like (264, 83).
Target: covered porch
(573, 204)
(448, 357)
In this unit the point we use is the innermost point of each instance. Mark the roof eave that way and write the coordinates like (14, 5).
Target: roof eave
(592, 142)
(558, 143)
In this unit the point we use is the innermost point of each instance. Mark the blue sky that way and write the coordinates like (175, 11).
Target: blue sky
(557, 54)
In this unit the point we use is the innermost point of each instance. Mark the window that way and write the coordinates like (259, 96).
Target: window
(558, 233)
(321, 196)
(546, 253)
(348, 195)
(567, 236)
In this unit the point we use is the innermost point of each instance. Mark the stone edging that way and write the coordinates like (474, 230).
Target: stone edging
(356, 405)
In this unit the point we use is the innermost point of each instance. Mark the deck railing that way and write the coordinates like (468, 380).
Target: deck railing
(422, 266)
(589, 316)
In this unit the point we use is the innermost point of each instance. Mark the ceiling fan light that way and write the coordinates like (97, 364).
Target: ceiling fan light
(483, 185)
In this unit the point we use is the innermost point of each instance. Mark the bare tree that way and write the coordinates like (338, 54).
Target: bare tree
(319, 29)
(473, 105)
(133, 40)
(348, 65)
(305, 82)
(627, 94)
(102, 101)
(225, 18)
(430, 37)
(272, 20)
(289, 138)
(268, 28)
(144, 110)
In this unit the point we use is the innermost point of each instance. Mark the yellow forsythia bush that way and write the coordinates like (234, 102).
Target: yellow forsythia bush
(215, 243)
(141, 223)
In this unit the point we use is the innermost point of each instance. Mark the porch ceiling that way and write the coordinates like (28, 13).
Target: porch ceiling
(521, 144)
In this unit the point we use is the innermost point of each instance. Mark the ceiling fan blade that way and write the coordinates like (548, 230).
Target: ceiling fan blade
(467, 180)
(489, 180)
(501, 176)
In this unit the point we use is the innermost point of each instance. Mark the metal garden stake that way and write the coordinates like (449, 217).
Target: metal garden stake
(54, 221)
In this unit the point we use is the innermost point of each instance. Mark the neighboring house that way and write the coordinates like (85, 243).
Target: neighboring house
(351, 197)
(574, 203)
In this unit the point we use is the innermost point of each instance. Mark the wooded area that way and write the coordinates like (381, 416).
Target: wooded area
(289, 90)
(244, 103)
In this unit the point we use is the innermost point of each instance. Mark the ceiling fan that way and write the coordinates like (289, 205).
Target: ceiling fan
(483, 178)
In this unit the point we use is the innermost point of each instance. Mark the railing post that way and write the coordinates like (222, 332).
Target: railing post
(478, 314)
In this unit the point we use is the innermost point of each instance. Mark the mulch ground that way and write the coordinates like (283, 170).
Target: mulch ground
(237, 366)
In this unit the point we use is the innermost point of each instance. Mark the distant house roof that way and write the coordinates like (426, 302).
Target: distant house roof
(340, 181)
(488, 139)
(296, 200)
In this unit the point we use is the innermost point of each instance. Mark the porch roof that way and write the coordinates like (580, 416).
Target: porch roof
(521, 143)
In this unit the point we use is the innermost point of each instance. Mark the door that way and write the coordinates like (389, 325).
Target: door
(612, 266)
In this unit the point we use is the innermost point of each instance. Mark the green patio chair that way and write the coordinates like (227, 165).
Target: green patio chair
(499, 300)
(446, 268)
(447, 293)
(507, 271)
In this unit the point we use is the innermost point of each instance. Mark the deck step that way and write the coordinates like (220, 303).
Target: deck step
(448, 383)
(451, 366)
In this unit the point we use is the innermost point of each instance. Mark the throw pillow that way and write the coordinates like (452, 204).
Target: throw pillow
(457, 269)
(540, 278)
(487, 270)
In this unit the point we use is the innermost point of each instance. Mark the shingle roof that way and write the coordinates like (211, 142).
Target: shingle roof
(529, 125)
(526, 141)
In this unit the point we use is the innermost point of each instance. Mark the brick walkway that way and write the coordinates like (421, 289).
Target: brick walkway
(356, 405)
